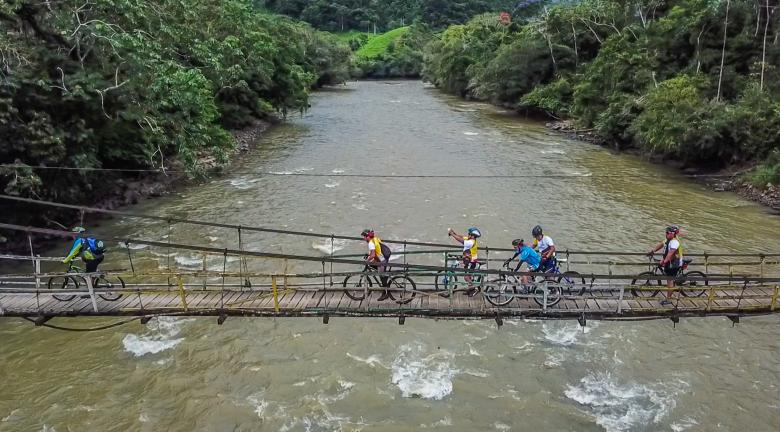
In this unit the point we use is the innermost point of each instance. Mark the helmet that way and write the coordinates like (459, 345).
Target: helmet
(517, 242)
(78, 229)
(367, 233)
(673, 229)
(536, 231)
(473, 231)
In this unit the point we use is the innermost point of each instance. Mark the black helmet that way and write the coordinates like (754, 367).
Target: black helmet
(368, 232)
(536, 231)
(673, 229)
(517, 242)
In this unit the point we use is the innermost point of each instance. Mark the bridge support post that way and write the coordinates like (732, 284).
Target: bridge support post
(773, 305)
(276, 293)
(620, 301)
(581, 319)
(499, 320)
(183, 296)
(145, 320)
(91, 290)
(221, 319)
(325, 319)
(401, 319)
(734, 319)
(675, 320)
(39, 321)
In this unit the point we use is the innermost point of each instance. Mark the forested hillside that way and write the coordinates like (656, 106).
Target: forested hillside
(138, 84)
(696, 81)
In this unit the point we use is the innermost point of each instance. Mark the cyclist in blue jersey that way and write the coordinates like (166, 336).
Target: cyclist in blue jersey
(526, 255)
(90, 249)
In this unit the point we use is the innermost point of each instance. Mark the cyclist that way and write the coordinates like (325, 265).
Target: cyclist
(546, 248)
(90, 249)
(378, 257)
(527, 255)
(672, 259)
(470, 248)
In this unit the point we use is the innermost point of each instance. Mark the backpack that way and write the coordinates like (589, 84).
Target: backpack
(386, 251)
(96, 246)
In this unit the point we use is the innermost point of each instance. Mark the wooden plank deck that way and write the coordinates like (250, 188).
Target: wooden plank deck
(302, 303)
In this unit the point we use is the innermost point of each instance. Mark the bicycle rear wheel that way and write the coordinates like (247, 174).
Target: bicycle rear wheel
(500, 292)
(444, 282)
(689, 287)
(106, 283)
(571, 283)
(553, 293)
(402, 289)
(357, 286)
(63, 283)
(645, 281)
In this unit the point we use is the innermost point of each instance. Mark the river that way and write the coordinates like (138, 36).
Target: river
(374, 375)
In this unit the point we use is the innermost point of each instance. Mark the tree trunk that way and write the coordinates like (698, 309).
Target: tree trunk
(723, 51)
(763, 54)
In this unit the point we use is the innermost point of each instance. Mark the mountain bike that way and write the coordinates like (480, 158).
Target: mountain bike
(648, 279)
(448, 280)
(570, 282)
(72, 281)
(400, 288)
(502, 290)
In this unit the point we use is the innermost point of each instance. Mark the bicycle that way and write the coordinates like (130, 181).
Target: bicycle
(357, 285)
(502, 290)
(71, 283)
(645, 279)
(568, 280)
(448, 280)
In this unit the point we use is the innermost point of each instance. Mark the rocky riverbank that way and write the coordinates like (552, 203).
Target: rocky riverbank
(722, 181)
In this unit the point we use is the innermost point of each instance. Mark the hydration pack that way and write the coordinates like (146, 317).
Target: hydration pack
(96, 246)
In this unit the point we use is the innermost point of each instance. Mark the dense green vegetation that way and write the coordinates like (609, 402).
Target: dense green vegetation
(136, 84)
(674, 78)
(379, 44)
(365, 15)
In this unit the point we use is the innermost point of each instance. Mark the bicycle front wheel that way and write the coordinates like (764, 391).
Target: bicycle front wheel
(444, 282)
(107, 283)
(356, 286)
(691, 288)
(402, 289)
(499, 292)
(553, 294)
(571, 283)
(645, 282)
(63, 283)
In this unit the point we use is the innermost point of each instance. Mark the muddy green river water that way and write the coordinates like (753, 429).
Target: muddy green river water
(373, 375)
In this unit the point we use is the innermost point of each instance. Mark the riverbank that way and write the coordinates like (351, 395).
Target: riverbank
(122, 189)
(728, 179)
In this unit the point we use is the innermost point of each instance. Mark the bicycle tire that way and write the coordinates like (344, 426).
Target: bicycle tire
(445, 278)
(567, 282)
(109, 282)
(359, 285)
(405, 295)
(688, 283)
(553, 294)
(497, 296)
(645, 280)
(63, 283)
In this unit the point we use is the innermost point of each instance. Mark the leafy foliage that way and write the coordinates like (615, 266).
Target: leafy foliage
(641, 73)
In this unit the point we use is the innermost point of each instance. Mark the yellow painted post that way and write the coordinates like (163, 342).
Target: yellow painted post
(183, 296)
(710, 297)
(774, 298)
(276, 293)
(285, 274)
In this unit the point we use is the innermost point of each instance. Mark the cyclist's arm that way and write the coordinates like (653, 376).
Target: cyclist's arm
(511, 258)
(656, 248)
(549, 252)
(74, 251)
(457, 237)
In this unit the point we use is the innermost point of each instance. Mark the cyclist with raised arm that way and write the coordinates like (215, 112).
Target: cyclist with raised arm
(672, 259)
(90, 250)
(378, 257)
(546, 248)
(526, 255)
(470, 249)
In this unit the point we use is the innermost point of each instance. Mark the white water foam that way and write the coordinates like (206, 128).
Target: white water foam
(563, 334)
(372, 360)
(423, 376)
(683, 424)
(332, 185)
(189, 260)
(471, 133)
(554, 151)
(338, 171)
(329, 247)
(158, 338)
(242, 183)
(620, 406)
(133, 246)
